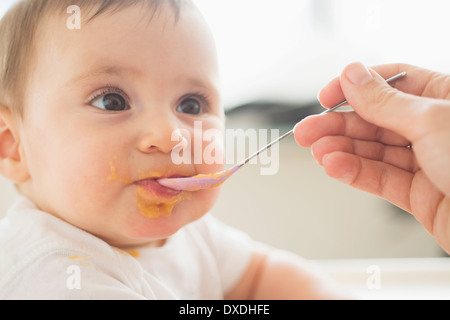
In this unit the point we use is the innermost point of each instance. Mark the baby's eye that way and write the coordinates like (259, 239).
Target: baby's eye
(111, 102)
(190, 106)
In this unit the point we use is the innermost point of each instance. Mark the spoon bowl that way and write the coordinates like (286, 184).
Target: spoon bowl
(198, 182)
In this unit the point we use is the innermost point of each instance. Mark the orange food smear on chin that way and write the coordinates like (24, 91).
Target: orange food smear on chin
(149, 207)
(157, 208)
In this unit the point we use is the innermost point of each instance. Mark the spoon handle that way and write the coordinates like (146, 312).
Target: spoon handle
(287, 134)
(284, 136)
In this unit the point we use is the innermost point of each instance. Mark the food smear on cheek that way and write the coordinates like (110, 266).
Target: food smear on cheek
(157, 208)
(114, 176)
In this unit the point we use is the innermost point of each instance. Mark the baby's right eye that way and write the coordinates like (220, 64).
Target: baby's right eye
(110, 102)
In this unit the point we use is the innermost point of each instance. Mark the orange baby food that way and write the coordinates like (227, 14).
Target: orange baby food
(149, 207)
(213, 184)
(114, 176)
(78, 257)
(83, 261)
(133, 253)
(156, 208)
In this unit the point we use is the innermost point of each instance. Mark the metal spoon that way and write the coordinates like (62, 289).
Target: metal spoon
(208, 181)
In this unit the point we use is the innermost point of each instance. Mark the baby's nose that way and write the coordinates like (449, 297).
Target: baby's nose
(161, 136)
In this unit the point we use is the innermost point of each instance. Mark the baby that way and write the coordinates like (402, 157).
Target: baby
(91, 96)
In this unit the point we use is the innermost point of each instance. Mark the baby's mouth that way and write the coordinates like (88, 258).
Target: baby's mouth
(153, 189)
(152, 199)
(156, 201)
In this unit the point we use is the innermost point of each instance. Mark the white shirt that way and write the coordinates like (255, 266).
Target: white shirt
(43, 257)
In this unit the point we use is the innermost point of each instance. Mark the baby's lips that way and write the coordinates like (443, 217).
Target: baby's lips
(165, 173)
(153, 189)
(199, 182)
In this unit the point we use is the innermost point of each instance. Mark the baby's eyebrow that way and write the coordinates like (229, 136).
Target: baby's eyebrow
(198, 81)
(106, 70)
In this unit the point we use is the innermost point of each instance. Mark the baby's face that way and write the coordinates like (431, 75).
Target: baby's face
(102, 108)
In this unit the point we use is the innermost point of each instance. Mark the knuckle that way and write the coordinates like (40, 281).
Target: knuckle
(438, 86)
(384, 96)
(381, 100)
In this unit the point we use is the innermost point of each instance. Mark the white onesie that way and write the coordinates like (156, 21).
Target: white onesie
(43, 257)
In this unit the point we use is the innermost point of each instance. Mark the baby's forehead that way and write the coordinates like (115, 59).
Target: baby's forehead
(115, 42)
(93, 22)
(76, 14)
(56, 20)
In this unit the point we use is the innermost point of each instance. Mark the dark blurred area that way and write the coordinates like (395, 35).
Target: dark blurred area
(271, 114)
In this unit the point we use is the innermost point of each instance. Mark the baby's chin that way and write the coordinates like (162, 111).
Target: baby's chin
(153, 223)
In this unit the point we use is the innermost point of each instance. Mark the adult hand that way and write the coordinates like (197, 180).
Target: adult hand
(395, 145)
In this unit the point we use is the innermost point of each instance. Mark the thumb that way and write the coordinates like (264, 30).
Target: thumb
(377, 102)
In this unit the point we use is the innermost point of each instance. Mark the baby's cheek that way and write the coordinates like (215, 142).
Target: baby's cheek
(88, 180)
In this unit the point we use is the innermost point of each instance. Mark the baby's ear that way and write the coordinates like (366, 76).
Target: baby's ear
(12, 163)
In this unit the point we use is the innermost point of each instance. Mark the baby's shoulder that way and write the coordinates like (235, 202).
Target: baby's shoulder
(28, 235)
(44, 257)
(63, 269)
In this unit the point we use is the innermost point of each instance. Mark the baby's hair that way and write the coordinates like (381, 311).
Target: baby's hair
(20, 25)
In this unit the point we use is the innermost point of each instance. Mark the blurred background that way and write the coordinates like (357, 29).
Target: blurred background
(275, 56)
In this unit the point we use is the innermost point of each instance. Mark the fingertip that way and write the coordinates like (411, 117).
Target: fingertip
(298, 134)
(330, 144)
(376, 100)
(304, 131)
(340, 166)
(357, 74)
(331, 94)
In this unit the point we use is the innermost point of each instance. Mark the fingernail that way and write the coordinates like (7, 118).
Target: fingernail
(358, 74)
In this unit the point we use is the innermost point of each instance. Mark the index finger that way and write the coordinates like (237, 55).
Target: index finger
(417, 82)
(349, 124)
